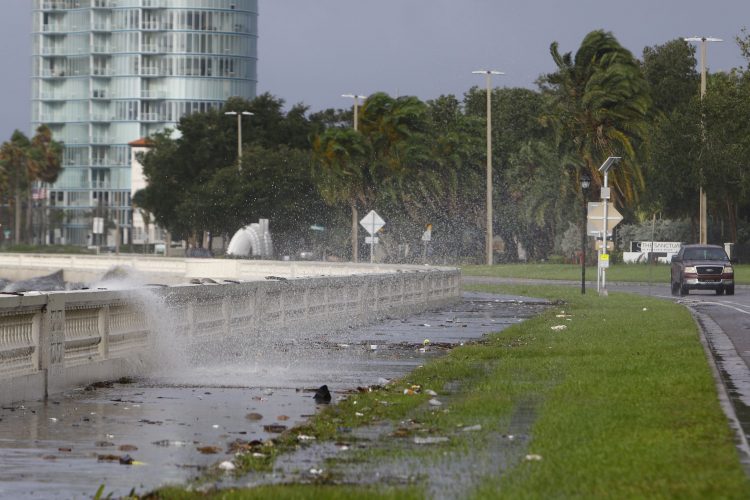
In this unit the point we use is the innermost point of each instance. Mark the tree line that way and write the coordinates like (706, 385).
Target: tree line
(26, 163)
(422, 162)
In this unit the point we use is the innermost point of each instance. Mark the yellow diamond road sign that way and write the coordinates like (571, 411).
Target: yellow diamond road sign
(595, 218)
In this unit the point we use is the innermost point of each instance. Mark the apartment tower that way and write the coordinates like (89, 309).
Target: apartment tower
(108, 72)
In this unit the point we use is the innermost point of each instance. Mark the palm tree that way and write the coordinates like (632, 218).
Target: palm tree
(15, 155)
(25, 162)
(44, 166)
(598, 106)
(344, 176)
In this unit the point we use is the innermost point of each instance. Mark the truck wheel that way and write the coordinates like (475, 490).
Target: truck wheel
(729, 290)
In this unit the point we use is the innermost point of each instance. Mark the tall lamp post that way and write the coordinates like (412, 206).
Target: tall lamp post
(703, 201)
(239, 134)
(585, 183)
(488, 77)
(355, 216)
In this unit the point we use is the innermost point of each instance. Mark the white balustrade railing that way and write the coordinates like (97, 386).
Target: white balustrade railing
(57, 341)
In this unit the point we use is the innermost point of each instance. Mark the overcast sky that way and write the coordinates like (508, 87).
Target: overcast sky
(312, 51)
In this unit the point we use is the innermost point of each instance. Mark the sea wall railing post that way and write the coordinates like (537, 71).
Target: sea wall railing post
(103, 327)
(52, 341)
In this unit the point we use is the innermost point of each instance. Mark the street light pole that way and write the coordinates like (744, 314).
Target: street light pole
(703, 200)
(239, 134)
(488, 78)
(605, 194)
(585, 183)
(355, 216)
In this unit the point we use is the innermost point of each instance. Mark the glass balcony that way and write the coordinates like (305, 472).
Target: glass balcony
(154, 4)
(153, 117)
(101, 94)
(102, 72)
(99, 139)
(153, 26)
(153, 71)
(53, 29)
(51, 50)
(54, 5)
(54, 119)
(101, 117)
(104, 4)
(153, 49)
(53, 96)
(153, 94)
(53, 73)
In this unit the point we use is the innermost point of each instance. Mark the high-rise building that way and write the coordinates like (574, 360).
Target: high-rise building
(107, 72)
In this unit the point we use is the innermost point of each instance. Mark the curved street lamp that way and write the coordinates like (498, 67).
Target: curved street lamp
(488, 80)
(239, 133)
(702, 199)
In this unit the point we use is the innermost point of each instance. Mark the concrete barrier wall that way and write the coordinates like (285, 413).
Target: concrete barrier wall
(53, 342)
(169, 270)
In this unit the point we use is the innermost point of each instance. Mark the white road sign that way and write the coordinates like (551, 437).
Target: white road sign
(372, 222)
(595, 218)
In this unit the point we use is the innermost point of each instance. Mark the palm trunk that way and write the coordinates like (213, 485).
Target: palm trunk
(355, 227)
(29, 232)
(17, 217)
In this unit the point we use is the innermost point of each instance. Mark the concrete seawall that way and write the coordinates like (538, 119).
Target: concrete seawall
(170, 270)
(53, 342)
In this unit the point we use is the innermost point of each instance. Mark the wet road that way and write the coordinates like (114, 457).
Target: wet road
(173, 424)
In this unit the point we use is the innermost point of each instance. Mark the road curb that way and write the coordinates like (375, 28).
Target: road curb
(727, 368)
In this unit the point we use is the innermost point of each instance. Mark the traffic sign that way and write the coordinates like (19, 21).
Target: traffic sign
(372, 240)
(610, 245)
(604, 260)
(372, 222)
(595, 218)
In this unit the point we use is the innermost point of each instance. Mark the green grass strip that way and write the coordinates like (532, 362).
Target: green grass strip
(640, 273)
(623, 405)
(635, 413)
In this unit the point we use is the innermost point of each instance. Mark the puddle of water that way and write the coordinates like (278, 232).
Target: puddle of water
(50, 449)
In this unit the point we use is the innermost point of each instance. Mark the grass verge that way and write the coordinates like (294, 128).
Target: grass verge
(640, 273)
(624, 405)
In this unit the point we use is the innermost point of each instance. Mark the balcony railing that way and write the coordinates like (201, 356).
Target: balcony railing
(55, 119)
(101, 117)
(150, 71)
(53, 73)
(54, 5)
(153, 26)
(102, 72)
(104, 4)
(153, 4)
(153, 94)
(153, 117)
(99, 139)
(101, 49)
(153, 49)
(101, 94)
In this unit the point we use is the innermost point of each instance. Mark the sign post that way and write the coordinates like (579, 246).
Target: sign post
(372, 223)
(605, 195)
(426, 238)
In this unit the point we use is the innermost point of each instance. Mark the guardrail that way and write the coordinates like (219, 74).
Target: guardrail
(54, 342)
